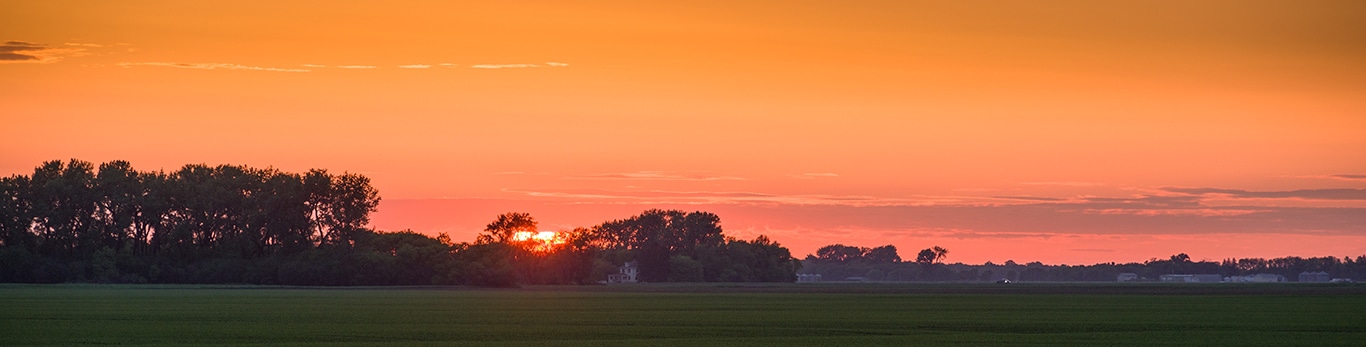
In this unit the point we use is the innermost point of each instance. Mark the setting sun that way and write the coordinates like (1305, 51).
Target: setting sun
(541, 241)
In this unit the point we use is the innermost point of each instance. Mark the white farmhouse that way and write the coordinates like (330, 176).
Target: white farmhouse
(626, 273)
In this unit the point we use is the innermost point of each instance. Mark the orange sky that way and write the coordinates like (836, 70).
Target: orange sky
(1067, 132)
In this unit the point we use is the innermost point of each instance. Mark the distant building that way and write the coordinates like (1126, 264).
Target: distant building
(626, 273)
(1126, 277)
(1188, 278)
(856, 279)
(1314, 277)
(808, 278)
(1258, 278)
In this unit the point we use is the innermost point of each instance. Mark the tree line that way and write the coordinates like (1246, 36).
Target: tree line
(667, 245)
(840, 262)
(73, 222)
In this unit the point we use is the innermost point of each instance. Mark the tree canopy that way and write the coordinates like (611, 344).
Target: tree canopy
(75, 222)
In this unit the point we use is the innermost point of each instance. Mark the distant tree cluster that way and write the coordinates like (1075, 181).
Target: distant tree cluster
(668, 245)
(844, 254)
(929, 266)
(71, 222)
(838, 262)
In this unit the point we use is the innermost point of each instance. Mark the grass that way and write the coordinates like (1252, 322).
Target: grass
(647, 315)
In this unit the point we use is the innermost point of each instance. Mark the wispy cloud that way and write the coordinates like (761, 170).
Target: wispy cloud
(1339, 177)
(1317, 194)
(78, 44)
(1348, 177)
(1030, 198)
(1064, 183)
(730, 198)
(809, 176)
(1090, 249)
(503, 66)
(26, 52)
(20, 51)
(314, 65)
(357, 67)
(516, 66)
(414, 66)
(655, 176)
(213, 66)
(1200, 212)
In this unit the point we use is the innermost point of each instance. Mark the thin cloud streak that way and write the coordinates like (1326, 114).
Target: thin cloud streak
(1348, 177)
(503, 66)
(27, 52)
(1313, 194)
(1337, 177)
(1080, 215)
(655, 176)
(1204, 212)
(212, 66)
(810, 176)
(1064, 183)
(744, 198)
(516, 66)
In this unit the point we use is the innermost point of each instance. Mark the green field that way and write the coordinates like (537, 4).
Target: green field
(789, 314)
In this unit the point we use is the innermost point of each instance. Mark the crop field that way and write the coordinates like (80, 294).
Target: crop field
(648, 315)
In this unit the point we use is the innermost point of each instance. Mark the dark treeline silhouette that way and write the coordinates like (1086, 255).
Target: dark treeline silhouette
(69, 222)
(840, 262)
(667, 245)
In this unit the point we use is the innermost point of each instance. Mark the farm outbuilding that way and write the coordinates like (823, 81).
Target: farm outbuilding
(1319, 276)
(1189, 278)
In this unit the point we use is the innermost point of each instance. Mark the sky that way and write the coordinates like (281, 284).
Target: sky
(1069, 132)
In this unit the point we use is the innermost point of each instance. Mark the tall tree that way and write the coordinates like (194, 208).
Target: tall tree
(940, 253)
(503, 229)
(840, 253)
(926, 256)
(884, 254)
(64, 205)
(654, 236)
(119, 195)
(352, 200)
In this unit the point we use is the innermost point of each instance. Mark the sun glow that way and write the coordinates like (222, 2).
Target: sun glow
(541, 241)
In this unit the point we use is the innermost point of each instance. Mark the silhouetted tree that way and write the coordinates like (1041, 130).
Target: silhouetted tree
(940, 253)
(926, 256)
(506, 226)
(840, 253)
(654, 236)
(884, 254)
